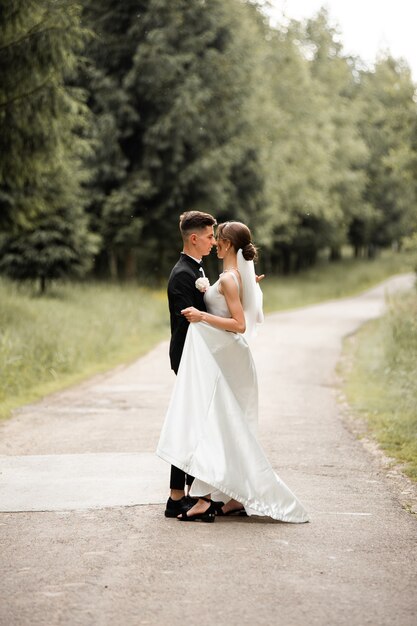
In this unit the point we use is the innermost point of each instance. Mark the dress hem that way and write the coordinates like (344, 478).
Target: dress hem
(262, 511)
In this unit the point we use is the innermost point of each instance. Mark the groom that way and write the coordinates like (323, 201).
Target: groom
(197, 231)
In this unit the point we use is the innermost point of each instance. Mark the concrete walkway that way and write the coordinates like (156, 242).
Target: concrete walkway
(66, 560)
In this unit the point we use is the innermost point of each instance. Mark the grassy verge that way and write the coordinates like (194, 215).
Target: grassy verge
(381, 380)
(77, 330)
(47, 343)
(328, 281)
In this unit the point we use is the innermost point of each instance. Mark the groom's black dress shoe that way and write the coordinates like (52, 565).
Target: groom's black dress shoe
(176, 507)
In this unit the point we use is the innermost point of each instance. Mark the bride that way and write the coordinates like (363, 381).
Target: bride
(210, 429)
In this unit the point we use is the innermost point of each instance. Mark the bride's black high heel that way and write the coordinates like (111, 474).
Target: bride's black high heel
(206, 516)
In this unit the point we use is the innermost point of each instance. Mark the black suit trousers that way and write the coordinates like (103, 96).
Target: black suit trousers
(182, 293)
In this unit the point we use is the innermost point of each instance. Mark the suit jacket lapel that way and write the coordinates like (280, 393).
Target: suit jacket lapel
(193, 264)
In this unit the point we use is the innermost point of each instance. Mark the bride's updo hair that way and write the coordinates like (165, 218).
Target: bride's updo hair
(239, 236)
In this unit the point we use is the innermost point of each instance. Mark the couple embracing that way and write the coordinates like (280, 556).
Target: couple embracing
(210, 431)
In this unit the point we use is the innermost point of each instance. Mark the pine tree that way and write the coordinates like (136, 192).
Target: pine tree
(49, 249)
(39, 41)
(42, 119)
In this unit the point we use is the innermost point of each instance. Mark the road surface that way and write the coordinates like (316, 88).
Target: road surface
(82, 533)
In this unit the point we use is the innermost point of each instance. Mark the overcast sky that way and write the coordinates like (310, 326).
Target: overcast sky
(367, 25)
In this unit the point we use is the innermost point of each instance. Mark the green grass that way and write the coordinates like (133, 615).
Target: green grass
(77, 330)
(49, 342)
(327, 281)
(381, 381)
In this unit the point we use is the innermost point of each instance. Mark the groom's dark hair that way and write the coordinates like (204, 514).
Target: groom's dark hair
(191, 221)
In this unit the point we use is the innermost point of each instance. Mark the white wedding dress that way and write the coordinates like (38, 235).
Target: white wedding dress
(210, 429)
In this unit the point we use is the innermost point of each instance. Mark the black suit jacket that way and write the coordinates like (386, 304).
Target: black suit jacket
(182, 293)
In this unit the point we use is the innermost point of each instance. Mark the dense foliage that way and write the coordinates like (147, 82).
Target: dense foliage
(125, 114)
(44, 232)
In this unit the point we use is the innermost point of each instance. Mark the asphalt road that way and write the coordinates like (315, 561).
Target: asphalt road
(354, 563)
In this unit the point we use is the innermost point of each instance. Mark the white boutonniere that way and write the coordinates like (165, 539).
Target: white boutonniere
(202, 284)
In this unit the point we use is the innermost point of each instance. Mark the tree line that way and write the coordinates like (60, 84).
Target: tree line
(115, 117)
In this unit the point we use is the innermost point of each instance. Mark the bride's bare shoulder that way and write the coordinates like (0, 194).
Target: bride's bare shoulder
(229, 280)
